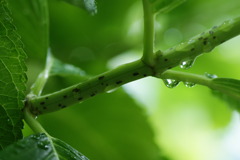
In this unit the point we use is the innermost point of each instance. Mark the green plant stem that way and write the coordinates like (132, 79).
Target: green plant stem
(148, 39)
(39, 84)
(138, 69)
(33, 123)
(88, 89)
(187, 77)
(202, 43)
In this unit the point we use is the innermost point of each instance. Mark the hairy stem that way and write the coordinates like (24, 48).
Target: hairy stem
(202, 43)
(148, 39)
(163, 61)
(85, 90)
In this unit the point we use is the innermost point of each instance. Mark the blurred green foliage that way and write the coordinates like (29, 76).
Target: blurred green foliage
(179, 122)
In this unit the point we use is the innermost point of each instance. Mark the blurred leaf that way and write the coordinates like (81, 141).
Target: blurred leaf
(40, 147)
(164, 6)
(55, 67)
(31, 19)
(107, 127)
(12, 79)
(59, 68)
(228, 90)
(88, 5)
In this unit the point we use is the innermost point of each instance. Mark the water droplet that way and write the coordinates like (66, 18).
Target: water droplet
(186, 64)
(43, 145)
(111, 88)
(211, 76)
(35, 137)
(84, 157)
(170, 83)
(189, 84)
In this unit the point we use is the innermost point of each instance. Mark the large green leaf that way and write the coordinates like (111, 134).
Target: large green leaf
(88, 5)
(228, 90)
(12, 79)
(41, 147)
(107, 127)
(31, 19)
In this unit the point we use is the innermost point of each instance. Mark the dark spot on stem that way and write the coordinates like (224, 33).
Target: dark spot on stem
(63, 106)
(65, 96)
(119, 82)
(144, 75)
(135, 74)
(205, 42)
(169, 67)
(193, 49)
(42, 103)
(76, 90)
(165, 59)
(214, 27)
(211, 32)
(93, 94)
(46, 98)
(101, 78)
(80, 98)
(214, 37)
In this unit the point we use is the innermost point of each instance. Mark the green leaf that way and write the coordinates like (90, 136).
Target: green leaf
(108, 127)
(228, 90)
(31, 19)
(12, 79)
(164, 6)
(88, 5)
(60, 68)
(41, 147)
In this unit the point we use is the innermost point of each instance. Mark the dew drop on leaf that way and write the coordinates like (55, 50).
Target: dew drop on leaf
(43, 145)
(189, 84)
(170, 83)
(186, 64)
(110, 89)
(211, 76)
(84, 158)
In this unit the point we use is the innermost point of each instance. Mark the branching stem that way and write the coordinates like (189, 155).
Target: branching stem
(164, 61)
(33, 123)
(148, 40)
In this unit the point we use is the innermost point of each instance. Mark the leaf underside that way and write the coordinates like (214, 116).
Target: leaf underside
(41, 147)
(228, 90)
(12, 79)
